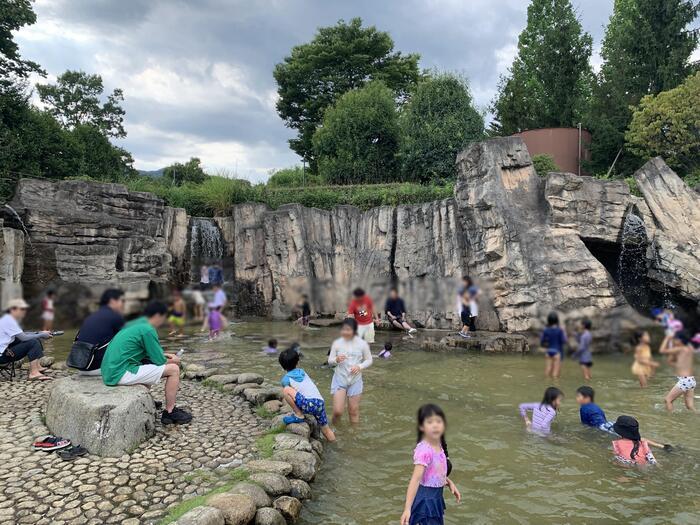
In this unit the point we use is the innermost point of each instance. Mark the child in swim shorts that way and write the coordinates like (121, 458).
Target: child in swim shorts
(302, 394)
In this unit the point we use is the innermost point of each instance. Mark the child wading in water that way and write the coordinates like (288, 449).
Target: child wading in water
(302, 394)
(583, 352)
(631, 449)
(553, 339)
(643, 366)
(215, 322)
(542, 413)
(425, 504)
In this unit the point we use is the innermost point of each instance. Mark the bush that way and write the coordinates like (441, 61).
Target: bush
(543, 164)
(292, 177)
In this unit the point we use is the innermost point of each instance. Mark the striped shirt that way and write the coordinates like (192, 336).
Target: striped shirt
(542, 416)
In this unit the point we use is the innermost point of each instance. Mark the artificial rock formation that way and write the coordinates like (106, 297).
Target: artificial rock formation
(108, 421)
(11, 263)
(85, 237)
(533, 244)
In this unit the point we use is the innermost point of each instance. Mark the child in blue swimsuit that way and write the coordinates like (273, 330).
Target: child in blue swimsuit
(553, 340)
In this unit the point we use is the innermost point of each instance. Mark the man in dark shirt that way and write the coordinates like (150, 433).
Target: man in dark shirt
(395, 310)
(101, 326)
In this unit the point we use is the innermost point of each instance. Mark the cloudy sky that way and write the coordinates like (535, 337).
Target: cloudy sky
(197, 75)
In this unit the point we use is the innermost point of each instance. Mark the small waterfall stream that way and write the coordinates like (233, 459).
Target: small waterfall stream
(205, 240)
(206, 244)
(632, 263)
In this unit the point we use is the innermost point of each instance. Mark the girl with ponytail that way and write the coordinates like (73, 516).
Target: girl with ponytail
(425, 504)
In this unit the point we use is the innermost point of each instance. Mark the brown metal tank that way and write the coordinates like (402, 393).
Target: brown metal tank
(570, 147)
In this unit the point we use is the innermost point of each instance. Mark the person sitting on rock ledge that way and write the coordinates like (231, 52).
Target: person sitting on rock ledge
(16, 344)
(138, 343)
(101, 326)
(395, 310)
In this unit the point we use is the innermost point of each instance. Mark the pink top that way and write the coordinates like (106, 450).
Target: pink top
(623, 452)
(435, 463)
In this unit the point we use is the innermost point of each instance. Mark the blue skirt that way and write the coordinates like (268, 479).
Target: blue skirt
(429, 506)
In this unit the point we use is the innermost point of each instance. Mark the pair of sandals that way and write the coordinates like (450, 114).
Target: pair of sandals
(65, 450)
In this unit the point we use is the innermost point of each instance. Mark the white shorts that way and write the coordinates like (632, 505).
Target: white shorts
(353, 390)
(47, 316)
(366, 332)
(146, 375)
(686, 383)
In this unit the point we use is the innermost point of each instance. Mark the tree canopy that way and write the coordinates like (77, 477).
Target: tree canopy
(359, 137)
(340, 58)
(75, 100)
(14, 14)
(179, 173)
(436, 123)
(549, 82)
(645, 50)
(667, 125)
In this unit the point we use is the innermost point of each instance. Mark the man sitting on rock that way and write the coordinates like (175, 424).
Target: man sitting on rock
(100, 327)
(137, 343)
(16, 344)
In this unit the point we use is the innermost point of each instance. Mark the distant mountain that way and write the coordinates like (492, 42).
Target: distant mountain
(153, 173)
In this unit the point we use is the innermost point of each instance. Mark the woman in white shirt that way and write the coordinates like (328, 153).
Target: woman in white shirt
(16, 344)
(350, 355)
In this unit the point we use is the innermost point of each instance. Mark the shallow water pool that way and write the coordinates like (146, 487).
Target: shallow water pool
(505, 474)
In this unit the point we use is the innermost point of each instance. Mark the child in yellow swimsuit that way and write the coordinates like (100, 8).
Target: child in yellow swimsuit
(643, 366)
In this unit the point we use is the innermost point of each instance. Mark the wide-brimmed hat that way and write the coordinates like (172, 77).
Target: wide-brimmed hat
(16, 303)
(627, 427)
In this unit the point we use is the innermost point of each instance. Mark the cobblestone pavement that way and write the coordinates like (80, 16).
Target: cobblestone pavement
(37, 487)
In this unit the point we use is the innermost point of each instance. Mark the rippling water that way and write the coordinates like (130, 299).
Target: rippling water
(505, 475)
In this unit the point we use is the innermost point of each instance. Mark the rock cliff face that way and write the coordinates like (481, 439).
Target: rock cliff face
(527, 265)
(533, 244)
(86, 237)
(11, 263)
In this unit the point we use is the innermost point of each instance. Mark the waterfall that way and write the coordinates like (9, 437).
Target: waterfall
(21, 223)
(206, 244)
(632, 262)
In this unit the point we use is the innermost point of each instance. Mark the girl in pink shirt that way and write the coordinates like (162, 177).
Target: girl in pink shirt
(425, 504)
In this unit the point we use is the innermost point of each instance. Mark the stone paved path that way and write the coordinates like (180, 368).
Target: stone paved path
(40, 488)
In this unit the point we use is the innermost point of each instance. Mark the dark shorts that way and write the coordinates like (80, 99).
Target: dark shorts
(465, 315)
(587, 364)
(18, 350)
(314, 407)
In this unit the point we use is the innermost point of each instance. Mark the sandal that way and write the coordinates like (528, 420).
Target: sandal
(71, 453)
(51, 443)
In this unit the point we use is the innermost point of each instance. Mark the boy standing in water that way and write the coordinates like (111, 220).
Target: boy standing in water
(583, 353)
(678, 346)
(302, 394)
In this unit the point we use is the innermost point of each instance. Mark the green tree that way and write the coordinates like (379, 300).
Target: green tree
(338, 59)
(667, 125)
(359, 137)
(548, 84)
(75, 100)
(14, 14)
(645, 50)
(99, 158)
(436, 123)
(191, 171)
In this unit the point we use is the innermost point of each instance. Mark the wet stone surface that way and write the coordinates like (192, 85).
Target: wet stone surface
(136, 489)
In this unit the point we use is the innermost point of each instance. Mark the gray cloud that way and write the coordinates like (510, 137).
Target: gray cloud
(197, 75)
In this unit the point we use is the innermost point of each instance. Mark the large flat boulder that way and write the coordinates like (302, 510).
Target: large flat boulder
(108, 421)
(490, 342)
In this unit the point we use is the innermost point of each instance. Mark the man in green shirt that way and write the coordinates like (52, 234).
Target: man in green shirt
(137, 343)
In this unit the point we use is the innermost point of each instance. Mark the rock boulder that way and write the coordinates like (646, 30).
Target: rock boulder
(108, 421)
(202, 516)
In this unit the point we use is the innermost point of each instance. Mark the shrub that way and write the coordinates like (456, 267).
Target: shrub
(292, 177)
(543, 164)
